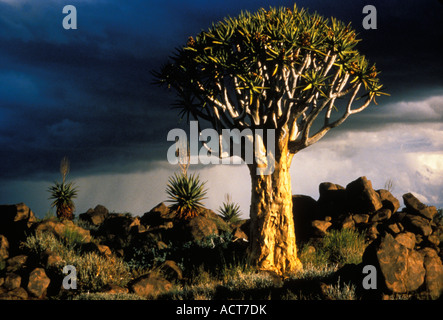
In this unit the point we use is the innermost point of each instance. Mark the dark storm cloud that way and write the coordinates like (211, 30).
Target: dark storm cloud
(87, 93)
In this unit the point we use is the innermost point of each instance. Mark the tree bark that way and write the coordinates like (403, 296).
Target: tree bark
(272, 234)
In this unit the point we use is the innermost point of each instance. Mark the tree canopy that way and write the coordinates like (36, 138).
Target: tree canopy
(276, 68)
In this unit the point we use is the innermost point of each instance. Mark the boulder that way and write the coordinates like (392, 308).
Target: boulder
(95, 216)
(16, 263)
(388, 200)
(114, 289)
(434, 273)
(200, 227)
(150, 285)
(158, 215)
(63, 229)
(50, 259)
(407, 239)
(12, 281)
(361, 197)
(118, 224)
(15, 221)
(171, 270)
(416, 207)
(372, 232)
(381, 215)
(417, 224)
(4, 248)
(361, 218)
(16, 294)
(394, 228)
(332, 200)
(38, 283)
(320, 227)
(304, 209)
(240, 229)
(402, 269)
(348, 222)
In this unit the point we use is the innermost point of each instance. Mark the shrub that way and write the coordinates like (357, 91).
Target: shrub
(337, 247)
(94, 271)
(344, 246)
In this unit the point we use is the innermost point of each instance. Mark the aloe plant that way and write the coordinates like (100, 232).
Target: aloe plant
(186, 193)
(230, 211)
(63, 193)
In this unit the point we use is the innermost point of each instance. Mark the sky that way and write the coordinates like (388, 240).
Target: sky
(87, 94)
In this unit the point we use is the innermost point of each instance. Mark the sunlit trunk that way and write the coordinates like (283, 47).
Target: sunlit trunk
(272, 234)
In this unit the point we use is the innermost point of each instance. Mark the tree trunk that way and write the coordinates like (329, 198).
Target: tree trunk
(272, 234)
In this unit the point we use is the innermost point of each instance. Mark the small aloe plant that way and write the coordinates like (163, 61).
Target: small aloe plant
(63, 194)
(230, 211)
(186, 192)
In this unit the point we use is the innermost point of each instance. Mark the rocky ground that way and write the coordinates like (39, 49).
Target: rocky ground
(405, 247)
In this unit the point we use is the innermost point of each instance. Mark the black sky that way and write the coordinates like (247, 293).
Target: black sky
(88, 93)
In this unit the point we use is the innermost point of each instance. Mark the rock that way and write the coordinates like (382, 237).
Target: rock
(15, 221)
(320, 227)
(433, 240)
(4, 248)
(171, 270)
(402, 268)
(394, 228)
(50, 259)
(416, 207)
(16, 294)
(361, 218)
(12, 281)
(200, 227)
(38, 283)
(95, 216)
(332, 200)
(434, 273)
(361, 196)
(372, 232)
(381, 215)
(16, 263)
(117, 224)
(417, 224)
(63, 229)
(238, 233)
(304, 209)
(150, 285)
(221, 224)
(407, 239)
(158, 215)
(388, 200)
(348, 223)
(114, 289)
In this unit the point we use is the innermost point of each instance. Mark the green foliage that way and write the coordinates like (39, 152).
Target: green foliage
(94, 271)
(72, 239)
(63, 193)
(186, 193)
(337, 247)
(230, 211)
(212, 252)
(258, 50)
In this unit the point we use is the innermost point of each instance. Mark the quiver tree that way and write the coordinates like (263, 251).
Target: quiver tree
(290, 71)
